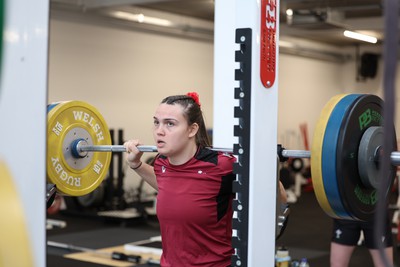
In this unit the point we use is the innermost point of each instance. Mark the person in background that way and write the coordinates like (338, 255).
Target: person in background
(346, 235)
(194, 184)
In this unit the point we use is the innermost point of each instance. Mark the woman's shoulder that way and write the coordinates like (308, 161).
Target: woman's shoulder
(217, 157)
(226, 158)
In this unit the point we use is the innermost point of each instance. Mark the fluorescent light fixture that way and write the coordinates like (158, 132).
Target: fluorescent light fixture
(142, 18)
(361, 37)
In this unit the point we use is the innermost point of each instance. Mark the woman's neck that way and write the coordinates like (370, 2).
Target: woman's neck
(184, 156)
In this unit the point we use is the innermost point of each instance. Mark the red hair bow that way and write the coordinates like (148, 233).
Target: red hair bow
(195, 97)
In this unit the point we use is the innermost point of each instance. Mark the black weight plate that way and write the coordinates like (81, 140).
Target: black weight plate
(359, 200)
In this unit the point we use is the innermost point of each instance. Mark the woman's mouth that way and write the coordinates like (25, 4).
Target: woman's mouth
(160, 143)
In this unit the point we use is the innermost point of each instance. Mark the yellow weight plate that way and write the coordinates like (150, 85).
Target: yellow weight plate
(316, 155)
(15, 248)
(67, 122)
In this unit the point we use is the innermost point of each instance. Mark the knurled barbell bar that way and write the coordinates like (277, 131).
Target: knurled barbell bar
(80, 149)
(345, 152)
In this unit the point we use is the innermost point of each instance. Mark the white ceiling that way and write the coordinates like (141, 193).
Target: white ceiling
(317, 20)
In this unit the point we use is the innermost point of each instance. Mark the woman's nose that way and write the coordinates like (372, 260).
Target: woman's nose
(159, 130)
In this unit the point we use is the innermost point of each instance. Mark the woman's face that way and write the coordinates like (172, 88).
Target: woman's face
(171, 131)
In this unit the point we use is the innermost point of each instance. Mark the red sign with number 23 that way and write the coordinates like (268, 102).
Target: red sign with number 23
(268, 42)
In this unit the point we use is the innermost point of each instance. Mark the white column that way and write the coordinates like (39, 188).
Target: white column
(264, 112)
(23, 100)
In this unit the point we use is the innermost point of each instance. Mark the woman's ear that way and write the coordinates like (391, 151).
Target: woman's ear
(193, 129)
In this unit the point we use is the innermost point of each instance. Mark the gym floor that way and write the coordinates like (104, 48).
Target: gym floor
(307, 235)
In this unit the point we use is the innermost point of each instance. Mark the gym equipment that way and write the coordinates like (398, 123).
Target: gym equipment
(345, 152)
(338, 137)
(67, 122)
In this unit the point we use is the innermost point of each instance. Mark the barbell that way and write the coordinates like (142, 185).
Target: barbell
(345, 152)
(81, 149)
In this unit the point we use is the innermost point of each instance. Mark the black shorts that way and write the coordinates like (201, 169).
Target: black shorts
(347, 232)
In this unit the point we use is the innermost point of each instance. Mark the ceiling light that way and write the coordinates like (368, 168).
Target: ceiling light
(361, 37)
(289, 12)
(142, 18)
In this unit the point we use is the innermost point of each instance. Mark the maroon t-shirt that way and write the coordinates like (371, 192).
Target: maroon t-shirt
(194, 208)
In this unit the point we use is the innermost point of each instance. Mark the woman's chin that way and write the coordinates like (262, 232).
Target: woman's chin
(162, 150)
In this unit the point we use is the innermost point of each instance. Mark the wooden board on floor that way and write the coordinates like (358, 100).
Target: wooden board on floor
(105, 259)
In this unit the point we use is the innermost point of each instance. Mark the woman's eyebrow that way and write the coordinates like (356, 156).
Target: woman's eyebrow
(165, 119)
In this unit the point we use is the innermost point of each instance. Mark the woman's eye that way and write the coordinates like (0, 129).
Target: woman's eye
(156, 123)
(169, 124)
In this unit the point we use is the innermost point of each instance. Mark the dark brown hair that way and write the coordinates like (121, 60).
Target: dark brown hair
(193, 114)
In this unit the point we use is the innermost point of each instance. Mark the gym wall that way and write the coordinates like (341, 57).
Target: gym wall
(305, 85)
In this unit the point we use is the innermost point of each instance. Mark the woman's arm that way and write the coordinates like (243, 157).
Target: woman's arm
(146, 171)
(133, 158)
